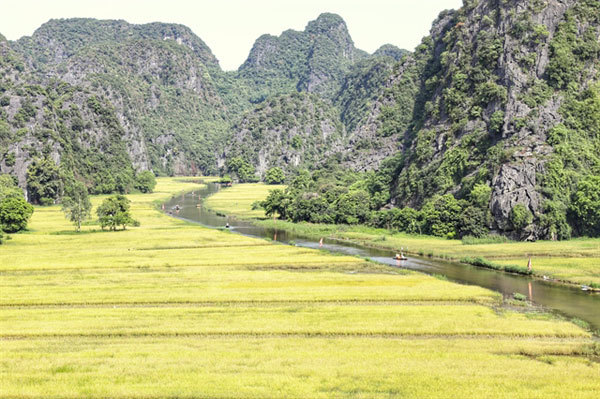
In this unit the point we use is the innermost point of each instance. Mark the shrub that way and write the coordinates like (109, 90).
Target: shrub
(145, 181)
(14, 214)
(520, 217)
(274, 175)
(519, 297)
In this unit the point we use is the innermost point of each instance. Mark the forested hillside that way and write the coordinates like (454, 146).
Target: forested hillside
(495, 114)
(509, 97)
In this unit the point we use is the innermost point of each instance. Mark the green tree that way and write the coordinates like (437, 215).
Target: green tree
(145, 181)
(8, 187)
(274, 175)
(114, 212)
(277, 202)
(242, 169)
(520, 217)
(76, 204)
(442, 215)
(43, 181)
(586, 205)
(352, 207)
(14, 214)
(480, 195)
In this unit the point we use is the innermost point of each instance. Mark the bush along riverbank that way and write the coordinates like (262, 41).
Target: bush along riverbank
(573, 262)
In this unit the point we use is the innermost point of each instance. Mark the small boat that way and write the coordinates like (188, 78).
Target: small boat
(585, 288)
(400, 256)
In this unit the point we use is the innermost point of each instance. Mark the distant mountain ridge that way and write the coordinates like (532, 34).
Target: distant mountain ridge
(503, 94)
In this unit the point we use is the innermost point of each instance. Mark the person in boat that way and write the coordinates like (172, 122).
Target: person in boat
(400, 256)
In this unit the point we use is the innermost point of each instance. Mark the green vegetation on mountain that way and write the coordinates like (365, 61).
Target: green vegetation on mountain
(500, 95)
(295, 130)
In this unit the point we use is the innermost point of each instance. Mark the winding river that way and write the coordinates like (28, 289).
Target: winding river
(569, 301)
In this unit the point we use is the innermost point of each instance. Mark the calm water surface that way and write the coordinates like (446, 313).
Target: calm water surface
(568, 301)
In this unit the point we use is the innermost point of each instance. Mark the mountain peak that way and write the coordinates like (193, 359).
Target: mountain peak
(325, 23)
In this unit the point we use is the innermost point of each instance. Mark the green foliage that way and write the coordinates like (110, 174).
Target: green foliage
(519, 297)
(276, 203)
(520, 217)
(242, 169)
(76, 203)
(145, 181)
(114, 212)
(14, 210)
(496, 122)
(44, 184)
(274, 175)
(480, 195)
(586, 206)
(441, 215)
(14, 213)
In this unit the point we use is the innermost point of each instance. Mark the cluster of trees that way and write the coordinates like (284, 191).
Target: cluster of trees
(114, 212)
(15, 212)
(357, 198)
(241, 169)
(353, 198)
(47, 182)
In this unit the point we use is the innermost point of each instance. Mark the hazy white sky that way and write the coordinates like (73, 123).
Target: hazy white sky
(229, 27)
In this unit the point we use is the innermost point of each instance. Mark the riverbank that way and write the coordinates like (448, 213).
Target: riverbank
(573, 262)
(173, 309)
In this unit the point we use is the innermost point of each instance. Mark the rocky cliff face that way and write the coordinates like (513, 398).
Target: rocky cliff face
(297, 131)
(496, 80)
(65, 123)
(158, 80)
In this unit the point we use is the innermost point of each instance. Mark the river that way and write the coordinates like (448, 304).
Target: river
(568, 301)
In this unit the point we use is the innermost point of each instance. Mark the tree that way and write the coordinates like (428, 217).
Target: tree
(441, 215)
(14, 210)
(145, 181)
(43, 181)
(76, 204)
(520, 217)
(243, 170)
(14, 214)
(8, 187)
(274, 176)
(352, 207)
(277, 202)
(480, 195)
(114, 212)
(586, 205)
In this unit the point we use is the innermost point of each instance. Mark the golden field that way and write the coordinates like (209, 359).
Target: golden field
(174, 310)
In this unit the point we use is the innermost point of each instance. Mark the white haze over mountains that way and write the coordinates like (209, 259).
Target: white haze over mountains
(230, 27)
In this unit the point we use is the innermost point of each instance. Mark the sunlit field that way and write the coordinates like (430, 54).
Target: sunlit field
(238, 199)
(170, 309)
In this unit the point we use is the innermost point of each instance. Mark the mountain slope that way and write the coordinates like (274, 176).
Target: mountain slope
(508, 97)
(314, 60)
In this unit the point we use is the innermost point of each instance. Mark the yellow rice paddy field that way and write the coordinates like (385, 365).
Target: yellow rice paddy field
(238, 199)
(174, 310)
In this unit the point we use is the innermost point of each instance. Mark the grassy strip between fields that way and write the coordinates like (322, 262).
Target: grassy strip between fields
(172, 309)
